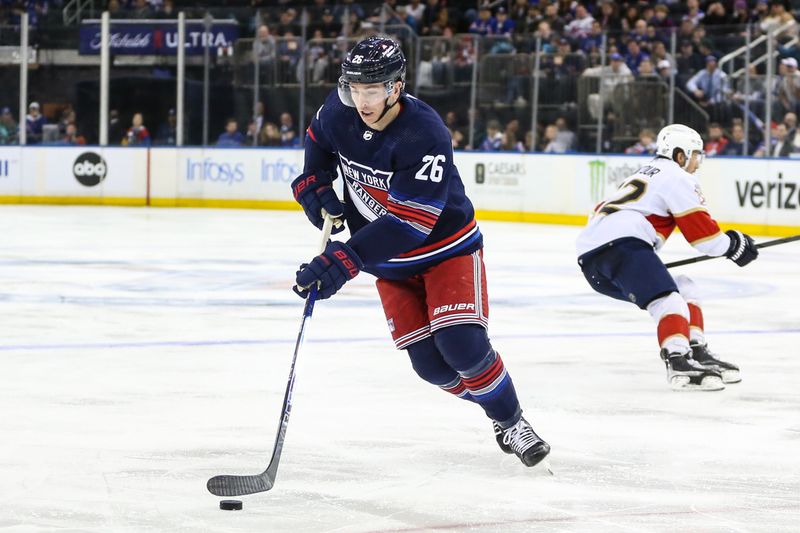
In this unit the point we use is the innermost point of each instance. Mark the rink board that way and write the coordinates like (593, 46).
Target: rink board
(760, 196)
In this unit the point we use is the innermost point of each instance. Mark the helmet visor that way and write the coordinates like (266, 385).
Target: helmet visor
(354, 95)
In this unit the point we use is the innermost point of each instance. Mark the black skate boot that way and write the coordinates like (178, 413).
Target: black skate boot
(684, 373)
(498, 435)
(527, 445)
(707, 358)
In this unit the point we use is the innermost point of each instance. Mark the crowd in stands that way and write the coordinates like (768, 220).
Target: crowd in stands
(637, 34)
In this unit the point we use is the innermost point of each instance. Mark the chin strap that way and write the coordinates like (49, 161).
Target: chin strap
(386, 109)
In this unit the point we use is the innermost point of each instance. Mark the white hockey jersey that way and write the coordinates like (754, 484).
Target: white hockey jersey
(649, 205)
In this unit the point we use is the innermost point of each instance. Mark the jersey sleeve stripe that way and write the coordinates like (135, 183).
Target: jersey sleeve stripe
(415, 228)
(415, 216)
(697, 225)
(311, 134)
(432, 202)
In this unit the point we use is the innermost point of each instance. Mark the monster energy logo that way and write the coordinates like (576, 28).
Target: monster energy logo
(597, 179)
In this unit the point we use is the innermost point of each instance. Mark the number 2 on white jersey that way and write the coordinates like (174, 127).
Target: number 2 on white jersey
(436, 171)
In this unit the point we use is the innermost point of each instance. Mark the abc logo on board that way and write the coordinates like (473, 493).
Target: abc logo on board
(89, 169)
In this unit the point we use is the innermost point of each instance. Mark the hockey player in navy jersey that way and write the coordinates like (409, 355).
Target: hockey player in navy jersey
(413, 228)
(617, 253)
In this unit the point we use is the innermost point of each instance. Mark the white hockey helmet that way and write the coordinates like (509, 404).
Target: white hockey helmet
(678, 136)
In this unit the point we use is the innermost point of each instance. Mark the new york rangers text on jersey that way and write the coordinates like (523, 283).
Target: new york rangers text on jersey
(404, 199)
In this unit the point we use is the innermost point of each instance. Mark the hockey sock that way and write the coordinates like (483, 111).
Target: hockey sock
(696, 326)
(429, 364)
(672, 315)
(467, 350)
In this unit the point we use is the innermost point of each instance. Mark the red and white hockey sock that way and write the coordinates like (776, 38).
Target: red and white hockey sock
(457, 388)
(696, 327)
(672, 315)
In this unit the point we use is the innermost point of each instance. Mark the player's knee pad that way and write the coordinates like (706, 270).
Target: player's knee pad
(429, 364)
(671, 304)
(688, 289)
(463, 346)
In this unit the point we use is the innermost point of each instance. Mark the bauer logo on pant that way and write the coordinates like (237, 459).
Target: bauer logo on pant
(89, 169)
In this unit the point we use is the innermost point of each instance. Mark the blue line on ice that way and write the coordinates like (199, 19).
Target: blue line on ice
(288, 340)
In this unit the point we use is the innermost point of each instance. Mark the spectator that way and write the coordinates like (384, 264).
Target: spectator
(634, 56)
(258, 115)
(137, 134)
(741, 13)
(693, 12)
(289, 56)
(71, 136)
(688, 61)
(787, 87)
(288, 134)
(716, 15)
(265, 52)
(662, 22)
(781, 146)
(565, 136)
(416, 10)
(141, 10)
(67, 118)
(659, 53)
(610, 76)
(581, 25)
(329, 26)
(646, 70)
(664, 70)
(609, 16)
(716, 142)
(483, 24)
(593, 41)
(231, 137)
(115, 129)
(9, 133)
(34, 124)
(736, 145)
(646, 144)
(501, 24)
(552, 143)
(251, 137)
(494, 137)
(778, 16)
(270, 135)
(167, 134)
(710, 85)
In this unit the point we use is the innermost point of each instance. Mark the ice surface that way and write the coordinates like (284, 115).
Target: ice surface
(145, 350)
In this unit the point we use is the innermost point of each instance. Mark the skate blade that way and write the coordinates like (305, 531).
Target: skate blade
(684, 383)
(731, 376)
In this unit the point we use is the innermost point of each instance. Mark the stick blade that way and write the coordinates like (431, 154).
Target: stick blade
(239, 485)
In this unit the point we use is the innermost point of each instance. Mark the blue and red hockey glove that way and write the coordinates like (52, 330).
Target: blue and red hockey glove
(334, 267)
(314, 191)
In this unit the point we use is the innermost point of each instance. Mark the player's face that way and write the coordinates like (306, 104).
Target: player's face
(369, 99)
(694, 162)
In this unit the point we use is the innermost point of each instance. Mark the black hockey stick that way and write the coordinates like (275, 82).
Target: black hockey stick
(707, 257)
(229, 485)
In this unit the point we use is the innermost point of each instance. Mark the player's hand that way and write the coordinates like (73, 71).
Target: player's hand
(334, 267)
(314, 191)
(742, 249)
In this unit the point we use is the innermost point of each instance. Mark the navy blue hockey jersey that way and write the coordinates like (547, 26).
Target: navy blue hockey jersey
(404, 199)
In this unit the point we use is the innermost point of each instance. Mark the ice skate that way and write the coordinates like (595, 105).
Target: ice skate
(684, 373)
(527, 445)
(707, 358)
(498, 435)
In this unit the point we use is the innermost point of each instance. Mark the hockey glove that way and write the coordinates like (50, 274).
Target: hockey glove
(314, 191)
(334, 267)
(742, 249)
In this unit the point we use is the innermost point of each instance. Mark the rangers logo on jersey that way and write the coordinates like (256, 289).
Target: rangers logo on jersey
(369, 187)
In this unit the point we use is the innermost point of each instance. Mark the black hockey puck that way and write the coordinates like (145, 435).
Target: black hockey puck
(230, 505)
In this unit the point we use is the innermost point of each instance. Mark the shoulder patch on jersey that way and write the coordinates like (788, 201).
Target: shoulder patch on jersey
(699, 194)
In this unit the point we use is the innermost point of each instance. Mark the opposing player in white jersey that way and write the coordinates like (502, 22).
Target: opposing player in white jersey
(617, 254)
